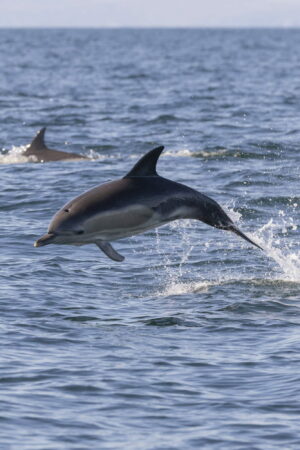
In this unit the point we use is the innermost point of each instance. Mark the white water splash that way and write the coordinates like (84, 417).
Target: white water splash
(272, 237)
(275, 247)
(16, 156)
(288, 259)
(234, 215)
(95, 156)
(185, 287)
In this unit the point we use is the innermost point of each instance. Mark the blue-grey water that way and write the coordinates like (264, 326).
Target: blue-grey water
(194, 340)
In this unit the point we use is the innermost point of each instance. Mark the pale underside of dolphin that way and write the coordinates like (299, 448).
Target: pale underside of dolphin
(41, 153)
(138, 202)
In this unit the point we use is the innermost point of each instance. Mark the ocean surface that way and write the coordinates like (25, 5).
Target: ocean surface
(193, 342)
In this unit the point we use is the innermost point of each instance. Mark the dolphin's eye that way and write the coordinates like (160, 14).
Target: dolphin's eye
(66, 210)
(79, 232)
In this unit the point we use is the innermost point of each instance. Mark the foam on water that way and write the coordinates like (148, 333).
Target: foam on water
(16, 156)
(211, 153)
(185, 287)
(95, 156)
(178, 153)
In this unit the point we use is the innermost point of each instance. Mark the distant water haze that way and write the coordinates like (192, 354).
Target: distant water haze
(155, 13)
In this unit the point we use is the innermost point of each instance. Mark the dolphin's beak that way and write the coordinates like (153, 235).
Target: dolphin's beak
(242, 235)
(44, 240)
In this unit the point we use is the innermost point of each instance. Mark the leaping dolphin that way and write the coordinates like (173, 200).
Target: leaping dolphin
(138, 202)
(42, 153)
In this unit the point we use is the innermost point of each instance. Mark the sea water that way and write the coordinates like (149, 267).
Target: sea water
(194, 340)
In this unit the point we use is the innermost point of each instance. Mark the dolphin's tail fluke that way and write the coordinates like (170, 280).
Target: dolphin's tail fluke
(235, 230)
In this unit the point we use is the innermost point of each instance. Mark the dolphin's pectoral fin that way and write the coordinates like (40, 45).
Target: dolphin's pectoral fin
(108, 249)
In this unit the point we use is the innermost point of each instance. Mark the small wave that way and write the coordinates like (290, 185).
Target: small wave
(257, 306)
(168, 321)
(223, 153)
(196, 154)
(81, 318)
(136, 76)
(163, 118)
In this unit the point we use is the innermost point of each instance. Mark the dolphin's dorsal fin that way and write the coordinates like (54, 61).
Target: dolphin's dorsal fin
(38, 142)
(146, 166)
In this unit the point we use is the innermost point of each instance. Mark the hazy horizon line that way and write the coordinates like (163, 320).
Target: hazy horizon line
(152, 27)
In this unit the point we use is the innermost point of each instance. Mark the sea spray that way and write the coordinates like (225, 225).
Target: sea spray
(272, 238)
(179, 278)
(177, 273)
(15, 156)
(287, 258)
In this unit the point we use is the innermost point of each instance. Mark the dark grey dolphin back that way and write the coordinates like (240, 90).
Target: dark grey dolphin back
(146, 166)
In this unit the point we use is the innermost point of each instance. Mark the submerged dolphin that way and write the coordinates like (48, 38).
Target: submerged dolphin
(42, 153)
(138, 202)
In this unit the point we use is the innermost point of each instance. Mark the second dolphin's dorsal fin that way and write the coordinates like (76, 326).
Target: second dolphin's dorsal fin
(146, 166)
(38, 142)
